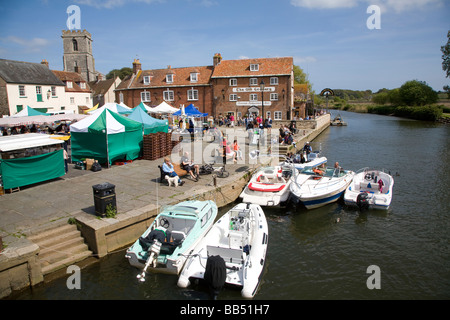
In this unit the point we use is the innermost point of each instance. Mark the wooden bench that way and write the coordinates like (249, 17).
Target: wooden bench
(176, 167)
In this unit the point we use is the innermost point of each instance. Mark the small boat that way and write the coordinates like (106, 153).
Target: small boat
(337, 121)
(370, 189)
(232, 253)
(269, 186)
(315, 188)
(313, 159)
(173, 234)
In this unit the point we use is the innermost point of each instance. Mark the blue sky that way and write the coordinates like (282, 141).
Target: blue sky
(328, 39)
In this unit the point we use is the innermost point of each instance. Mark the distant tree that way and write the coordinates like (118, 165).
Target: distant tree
(381, 98)
(446, 61)
(300, 77)
(121, 73)
(417, 93)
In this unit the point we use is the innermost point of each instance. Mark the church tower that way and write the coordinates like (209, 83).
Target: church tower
(78, 53)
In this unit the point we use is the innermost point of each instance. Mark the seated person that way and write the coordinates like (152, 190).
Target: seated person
(237, 150)
(189, 166)
(169, 170)
(228, 152)
(317, 171)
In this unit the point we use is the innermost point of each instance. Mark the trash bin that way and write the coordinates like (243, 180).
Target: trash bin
(104, 195)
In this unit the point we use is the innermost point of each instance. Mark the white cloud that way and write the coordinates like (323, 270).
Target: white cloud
(33, 45)
(386, 5)
(108, 4)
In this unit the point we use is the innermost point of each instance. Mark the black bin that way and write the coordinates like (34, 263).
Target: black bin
(104, 195)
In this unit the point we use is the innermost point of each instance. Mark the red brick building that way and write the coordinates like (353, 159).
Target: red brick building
(176, 86)
(226, 87)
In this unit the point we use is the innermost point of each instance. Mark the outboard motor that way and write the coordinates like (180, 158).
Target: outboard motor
(362, 201)
(215, 275)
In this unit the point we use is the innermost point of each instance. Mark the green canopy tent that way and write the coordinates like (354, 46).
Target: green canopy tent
(106, 136)
(149, 124)
(28, 111)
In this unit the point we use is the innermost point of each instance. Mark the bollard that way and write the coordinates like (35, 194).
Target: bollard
(214, 180)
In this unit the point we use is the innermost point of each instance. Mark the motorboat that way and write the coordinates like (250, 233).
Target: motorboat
(233, 253)
(370, 189)
(315, 187)
(174, 233)
(337, 121)
(269, 186)
(313, 159)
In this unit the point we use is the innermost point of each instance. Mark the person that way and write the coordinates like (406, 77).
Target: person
(317, 171)
(228, 152)
(189, 166)
(237, 150)
(66, 160)
(169, 170)
(307, 148)
(336, 166)
(380, 185)
(288, 139)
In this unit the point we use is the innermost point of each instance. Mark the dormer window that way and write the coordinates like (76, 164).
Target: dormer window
(169, 78)
(194, 76)
(146, 79)
(254, 67)
(83, 85)
(69, 84)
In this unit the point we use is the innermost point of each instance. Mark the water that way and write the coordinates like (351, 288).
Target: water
(324, 253)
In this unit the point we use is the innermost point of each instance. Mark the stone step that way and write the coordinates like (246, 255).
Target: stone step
(65, 262)
(53, 232)
(58, 239)
(54, 256)
(63, 246)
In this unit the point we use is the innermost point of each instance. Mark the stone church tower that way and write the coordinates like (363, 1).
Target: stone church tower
(78, 53)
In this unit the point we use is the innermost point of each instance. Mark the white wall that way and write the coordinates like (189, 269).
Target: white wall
(30, 98)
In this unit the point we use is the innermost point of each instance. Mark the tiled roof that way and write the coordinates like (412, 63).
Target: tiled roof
(75, 77)
(27, 73)
(102, 86)
(241, 68)
(181, 77)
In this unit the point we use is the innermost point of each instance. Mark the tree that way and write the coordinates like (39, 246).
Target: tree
(417, 93)
(446, 61)
(301, 78)
(121, 73)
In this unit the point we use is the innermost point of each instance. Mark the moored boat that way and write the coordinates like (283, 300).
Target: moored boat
(233, 252)
(172, 235)
(315, 188)
(337, 121)
(370, 189)
(269, 186)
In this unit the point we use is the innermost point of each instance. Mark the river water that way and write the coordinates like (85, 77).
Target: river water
(325, 253)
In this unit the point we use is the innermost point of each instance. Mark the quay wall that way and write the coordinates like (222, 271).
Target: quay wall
(20, 266)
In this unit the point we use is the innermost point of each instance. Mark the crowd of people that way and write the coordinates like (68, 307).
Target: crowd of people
(9, 131)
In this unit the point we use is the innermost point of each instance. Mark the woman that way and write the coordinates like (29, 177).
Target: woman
(237, 150)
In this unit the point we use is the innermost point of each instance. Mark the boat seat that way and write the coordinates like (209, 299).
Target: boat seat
(229, 255)
(263, 179)
(178, 236)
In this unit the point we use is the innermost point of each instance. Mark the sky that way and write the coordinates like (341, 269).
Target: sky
(333, 41)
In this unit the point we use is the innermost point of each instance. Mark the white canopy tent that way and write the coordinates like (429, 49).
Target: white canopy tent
(163, 107)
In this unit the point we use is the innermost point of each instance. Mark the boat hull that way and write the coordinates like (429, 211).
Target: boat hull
(243, 247)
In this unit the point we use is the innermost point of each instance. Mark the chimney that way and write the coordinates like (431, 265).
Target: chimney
(99, 77)
(216, 59)
(136, 66)
(44, 62)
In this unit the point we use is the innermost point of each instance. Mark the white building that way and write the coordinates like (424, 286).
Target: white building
(25, 84)
(78, 95)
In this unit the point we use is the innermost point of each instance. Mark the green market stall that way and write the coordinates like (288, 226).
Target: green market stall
(106, 136)
(30, 158)
(149, 124)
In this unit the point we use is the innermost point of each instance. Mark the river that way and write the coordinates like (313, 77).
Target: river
(325, 253)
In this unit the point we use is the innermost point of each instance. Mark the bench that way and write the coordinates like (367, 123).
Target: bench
(176, 167)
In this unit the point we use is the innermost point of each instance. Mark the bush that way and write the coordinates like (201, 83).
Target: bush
(417, 93)
(426, 113)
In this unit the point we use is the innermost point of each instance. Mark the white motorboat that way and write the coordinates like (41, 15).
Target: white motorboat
(269, 186)
(233, 252)
(173, 234)
(315, 188)
(370, 189)
(312, 159)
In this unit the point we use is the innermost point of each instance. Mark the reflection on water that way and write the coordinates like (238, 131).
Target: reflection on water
(324, 253)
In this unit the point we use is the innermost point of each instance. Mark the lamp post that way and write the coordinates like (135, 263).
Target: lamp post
(262, 85)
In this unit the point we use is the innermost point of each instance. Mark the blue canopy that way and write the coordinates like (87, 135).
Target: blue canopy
(190, 111)
(150, 124)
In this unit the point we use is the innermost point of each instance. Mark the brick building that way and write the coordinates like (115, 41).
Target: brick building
(226, 87)
(176, 86)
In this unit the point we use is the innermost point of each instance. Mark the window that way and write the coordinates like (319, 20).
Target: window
(253, 97)
(277, 115)
(121, 97)
(145, 96)
(87, 100)
(274, 97)
(274, 81)
(233, 97)
(72, 100)
(69, 84)
(39, 93)
(192, 94)
(82, 85)
(169, 78)
(21, 91)
(254, 67)
(253, 81)
(54, 92)
(168, 95)
(75, 45)
(194, 77)
(233, 82)
(146, 79)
